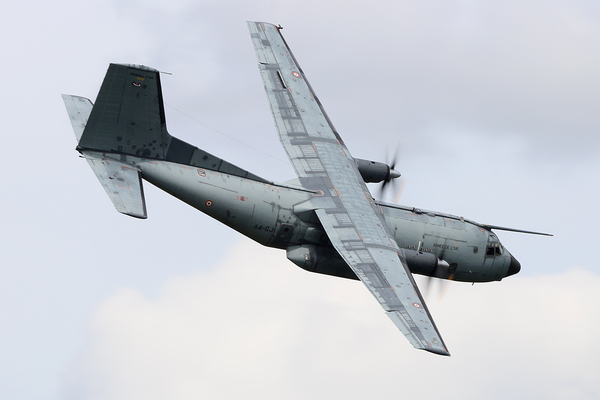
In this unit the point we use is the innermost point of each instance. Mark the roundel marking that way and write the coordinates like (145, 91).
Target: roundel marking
(417, 305)
(297, 75)
(208, 203)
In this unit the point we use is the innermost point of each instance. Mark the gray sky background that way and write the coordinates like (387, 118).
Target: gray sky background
(493, 107)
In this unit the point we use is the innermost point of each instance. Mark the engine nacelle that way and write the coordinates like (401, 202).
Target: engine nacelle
(423, 263)
(326, 260)
(320, 259)
(373, 171)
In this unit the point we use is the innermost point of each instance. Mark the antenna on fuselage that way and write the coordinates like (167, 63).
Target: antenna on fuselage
(502, 228)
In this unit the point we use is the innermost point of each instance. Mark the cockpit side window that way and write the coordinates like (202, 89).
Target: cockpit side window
(494, 249)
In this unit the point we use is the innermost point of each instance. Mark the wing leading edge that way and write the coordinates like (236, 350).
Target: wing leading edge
(342, 202)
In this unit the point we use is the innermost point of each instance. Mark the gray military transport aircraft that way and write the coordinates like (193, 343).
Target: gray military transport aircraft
(326, 219)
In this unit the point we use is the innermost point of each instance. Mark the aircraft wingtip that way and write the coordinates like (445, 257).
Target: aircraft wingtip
(437, 351)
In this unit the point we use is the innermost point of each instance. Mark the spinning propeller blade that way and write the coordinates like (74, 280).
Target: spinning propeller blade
(390, 182)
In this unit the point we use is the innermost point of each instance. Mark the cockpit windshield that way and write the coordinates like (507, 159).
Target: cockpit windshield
(494, 248)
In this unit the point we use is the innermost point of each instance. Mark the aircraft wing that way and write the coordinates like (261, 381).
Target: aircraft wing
(353, 222)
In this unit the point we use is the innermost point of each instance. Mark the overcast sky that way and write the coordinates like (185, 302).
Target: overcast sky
(494, 109)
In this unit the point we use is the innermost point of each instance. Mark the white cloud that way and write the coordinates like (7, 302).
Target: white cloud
(258, 327)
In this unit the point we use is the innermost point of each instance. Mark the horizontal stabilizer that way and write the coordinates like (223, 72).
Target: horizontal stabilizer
(79, 109)
(122, 183)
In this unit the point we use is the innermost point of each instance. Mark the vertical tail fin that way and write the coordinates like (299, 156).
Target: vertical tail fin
(128, 119)
(128, 116)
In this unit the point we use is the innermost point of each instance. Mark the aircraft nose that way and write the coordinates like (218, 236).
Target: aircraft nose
(514, 266)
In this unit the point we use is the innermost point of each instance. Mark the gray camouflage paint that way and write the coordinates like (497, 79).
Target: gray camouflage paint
(326, 219)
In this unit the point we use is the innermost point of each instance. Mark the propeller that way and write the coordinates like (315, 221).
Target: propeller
(443, 286)
(390, 183)
(397, 186)
(443, 283)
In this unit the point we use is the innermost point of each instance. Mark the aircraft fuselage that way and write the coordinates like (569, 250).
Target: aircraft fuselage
(272, 215)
